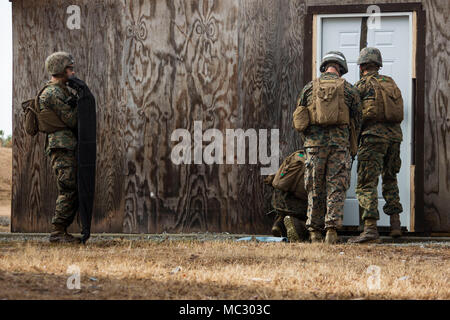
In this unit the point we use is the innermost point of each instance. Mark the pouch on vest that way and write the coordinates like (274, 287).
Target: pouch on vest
(49, 122)
(36, 120)
(290, 177)
(30, 121)
(371, 110)
(328, 103)
(301, 118)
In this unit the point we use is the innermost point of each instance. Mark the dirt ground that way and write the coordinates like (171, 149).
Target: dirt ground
(124, 269)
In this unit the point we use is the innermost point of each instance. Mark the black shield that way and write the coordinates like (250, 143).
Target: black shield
(87, 150)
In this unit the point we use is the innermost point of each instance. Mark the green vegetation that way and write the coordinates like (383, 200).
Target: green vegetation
(5, 142)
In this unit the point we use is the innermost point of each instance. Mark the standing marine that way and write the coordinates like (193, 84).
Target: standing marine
(60, 145)
(379, 147)
(328, 116)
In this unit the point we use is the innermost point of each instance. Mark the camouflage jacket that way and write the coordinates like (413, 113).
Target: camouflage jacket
(58, 98)
(378, 131)
(339, 135)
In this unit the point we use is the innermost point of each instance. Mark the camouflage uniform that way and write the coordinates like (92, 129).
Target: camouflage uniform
(60, 147)
(328, 163)
(285, 203)
(378, 153)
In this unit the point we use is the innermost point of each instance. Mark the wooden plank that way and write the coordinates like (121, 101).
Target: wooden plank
(437, 129)
(314, 47)
(271, 65)
(180, 64)
(412, 221)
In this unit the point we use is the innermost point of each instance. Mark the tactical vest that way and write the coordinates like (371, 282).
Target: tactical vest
(37, 120)
(388, 103)
(328, 105)
(290, 177)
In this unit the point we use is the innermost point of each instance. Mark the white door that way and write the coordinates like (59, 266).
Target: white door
(393, 38)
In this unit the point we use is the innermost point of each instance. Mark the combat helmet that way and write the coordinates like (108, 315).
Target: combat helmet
(57, 62)
(370, 54)
(337, 57)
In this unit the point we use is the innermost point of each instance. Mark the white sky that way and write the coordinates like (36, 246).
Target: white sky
(6, 67)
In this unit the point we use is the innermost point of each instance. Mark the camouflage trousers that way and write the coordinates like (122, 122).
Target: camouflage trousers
(327, 178)
(285, 203)
(64, 166)
(375, 158)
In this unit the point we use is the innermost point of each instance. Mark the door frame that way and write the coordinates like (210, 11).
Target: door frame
(417, 219)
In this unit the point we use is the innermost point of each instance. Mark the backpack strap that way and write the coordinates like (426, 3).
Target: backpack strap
(36, 100)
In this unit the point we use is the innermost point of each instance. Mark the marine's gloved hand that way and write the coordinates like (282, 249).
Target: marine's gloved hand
(72, 101)
(76, 84)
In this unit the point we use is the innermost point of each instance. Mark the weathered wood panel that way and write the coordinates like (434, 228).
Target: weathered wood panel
(155, 66)
(437, 117)
(270, 55)
(39, 29)
(180, 61)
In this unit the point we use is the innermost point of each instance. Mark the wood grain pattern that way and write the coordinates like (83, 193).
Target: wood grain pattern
(180, 62)
(437, 117)
(155, 66)
(270, 80)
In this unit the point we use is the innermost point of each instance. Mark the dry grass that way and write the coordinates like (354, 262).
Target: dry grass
(214, 270)
(222, 270)
(5, 184)
(5, 175)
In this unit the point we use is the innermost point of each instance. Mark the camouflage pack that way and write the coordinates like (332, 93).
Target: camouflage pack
(36, 120)
(301, 118)
(388, 103)
(290, 175)
(328, 103)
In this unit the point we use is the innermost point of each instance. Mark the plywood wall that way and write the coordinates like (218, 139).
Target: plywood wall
(155, 66)
(437, 117)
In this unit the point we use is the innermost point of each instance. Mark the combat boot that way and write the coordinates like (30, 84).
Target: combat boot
(278, 228)
(68, 235)
(331, 237)
(396, 229)
(295, 229)
(369, 235)
(59, 235)
(315, 236)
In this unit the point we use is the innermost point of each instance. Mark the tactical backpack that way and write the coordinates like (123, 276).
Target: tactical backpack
(290, 177)
(36, 120)
(301, 118)
(388, 103)
(328, 103)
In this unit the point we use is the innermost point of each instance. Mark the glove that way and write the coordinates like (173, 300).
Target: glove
(76, 84)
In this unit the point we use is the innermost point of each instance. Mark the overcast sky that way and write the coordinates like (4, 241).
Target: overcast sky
(6, 67)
